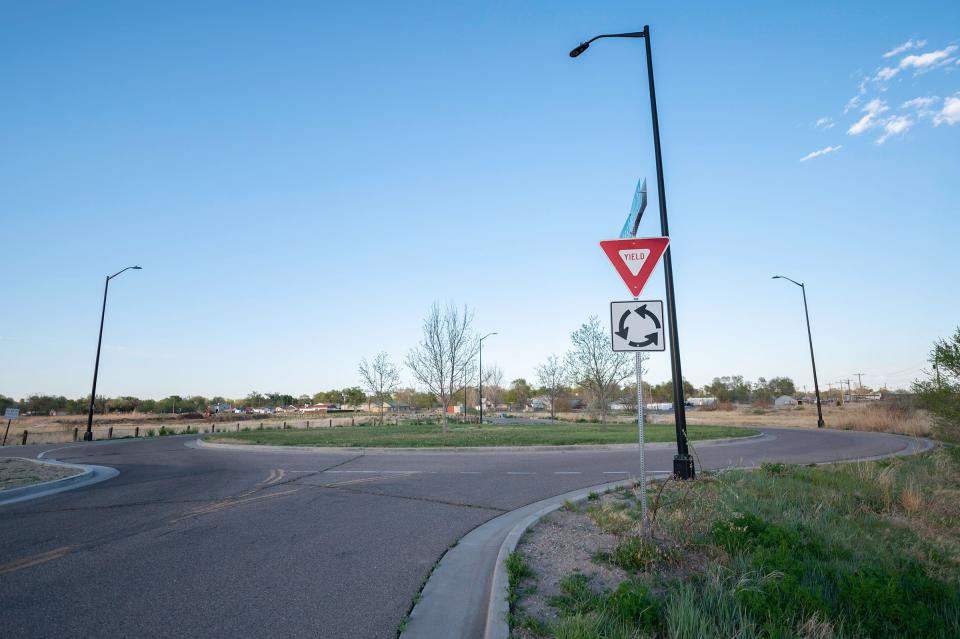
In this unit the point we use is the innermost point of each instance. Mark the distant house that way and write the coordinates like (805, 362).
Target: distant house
(539, 403)
(619, 405)
(660, 406)
(702, 401)
(263, 410)
(221, 407)
(397, 407)
(784, 401)
(318, 408)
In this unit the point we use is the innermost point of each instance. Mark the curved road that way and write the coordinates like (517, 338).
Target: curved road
(205, 542)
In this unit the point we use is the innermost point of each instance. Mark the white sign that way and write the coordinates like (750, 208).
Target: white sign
(637, 325)
(634, 259)
(11, 413)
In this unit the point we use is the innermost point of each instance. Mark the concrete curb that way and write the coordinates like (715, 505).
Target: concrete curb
(459, 584)
(88, 475)
(201, 443)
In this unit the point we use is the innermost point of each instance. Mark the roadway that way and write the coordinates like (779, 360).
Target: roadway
(205, 542)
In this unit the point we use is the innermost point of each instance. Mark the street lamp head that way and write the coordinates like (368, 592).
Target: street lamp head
(137, 268)
(776, 277)
(580, 49)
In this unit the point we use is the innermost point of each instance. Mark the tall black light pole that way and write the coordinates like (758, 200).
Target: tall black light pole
(481, 374)
(88, 435)
(683, 466)
(816, 386)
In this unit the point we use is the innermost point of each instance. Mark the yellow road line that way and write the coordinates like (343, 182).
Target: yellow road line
(224, 504)
(34, 560)
(364, 480)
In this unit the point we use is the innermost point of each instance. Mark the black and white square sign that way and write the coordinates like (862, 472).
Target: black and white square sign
(637, 325)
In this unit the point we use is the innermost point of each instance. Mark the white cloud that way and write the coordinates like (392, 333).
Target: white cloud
(921, 63)
(886, 73)
(950, 113)
(824, 123)
(920, 104)
(823, 151)
(873, 108)
(928, 60)
(906, 46)
(895, 126)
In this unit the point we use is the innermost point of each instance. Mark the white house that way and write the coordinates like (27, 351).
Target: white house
(785, 400)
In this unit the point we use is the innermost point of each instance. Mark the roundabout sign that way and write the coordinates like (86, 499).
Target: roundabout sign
(637, 325)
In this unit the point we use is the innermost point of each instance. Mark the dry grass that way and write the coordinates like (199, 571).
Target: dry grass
(16, 472)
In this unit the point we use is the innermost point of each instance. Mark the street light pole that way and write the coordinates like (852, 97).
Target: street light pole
(813, 361)
(480, 380)
(88, 434)
(683, 466)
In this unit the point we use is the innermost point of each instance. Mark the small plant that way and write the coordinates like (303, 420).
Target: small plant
(593, 496)
(775, 469)
(517, 571)
(569, 506)
(151, 432)
(636, 553)
(612, 519)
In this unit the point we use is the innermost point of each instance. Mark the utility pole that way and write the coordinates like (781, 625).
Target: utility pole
(859, 380)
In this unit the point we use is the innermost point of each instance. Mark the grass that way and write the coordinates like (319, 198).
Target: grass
(851, 550)
(430, 435)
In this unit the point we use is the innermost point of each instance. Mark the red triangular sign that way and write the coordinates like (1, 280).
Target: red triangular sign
(635, 258)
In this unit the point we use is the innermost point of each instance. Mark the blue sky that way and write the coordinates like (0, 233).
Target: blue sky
(300, 181)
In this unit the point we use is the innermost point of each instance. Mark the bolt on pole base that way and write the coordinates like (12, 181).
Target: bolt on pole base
(683, 467)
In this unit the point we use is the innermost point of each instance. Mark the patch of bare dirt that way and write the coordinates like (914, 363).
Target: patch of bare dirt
(559, 545)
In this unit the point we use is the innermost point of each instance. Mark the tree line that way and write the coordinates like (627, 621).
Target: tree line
(444, 364)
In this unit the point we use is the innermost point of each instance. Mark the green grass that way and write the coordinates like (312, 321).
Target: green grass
(852, 550)
(431, 435)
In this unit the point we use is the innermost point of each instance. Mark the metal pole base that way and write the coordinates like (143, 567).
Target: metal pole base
(683, 467)
(87, 436)
(819, 423)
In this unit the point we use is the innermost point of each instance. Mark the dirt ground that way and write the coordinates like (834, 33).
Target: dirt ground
(16, 472)
(559, 545)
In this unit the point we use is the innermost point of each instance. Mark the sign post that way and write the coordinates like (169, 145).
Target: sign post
(9, 414)
(643, 463)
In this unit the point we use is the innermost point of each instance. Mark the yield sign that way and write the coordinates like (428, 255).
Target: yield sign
(635, 258)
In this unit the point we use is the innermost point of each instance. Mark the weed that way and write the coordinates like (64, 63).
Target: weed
(569, 506)
(774, 469)
(612, 519)
(593, 496)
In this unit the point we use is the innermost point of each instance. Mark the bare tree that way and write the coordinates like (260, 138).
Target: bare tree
(493, 384)
(445, 353)
(380, 378)
(551, 376)
(594, 366)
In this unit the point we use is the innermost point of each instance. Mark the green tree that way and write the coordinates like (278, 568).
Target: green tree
(354, 396)
(940, 392)
(518, 393)
(7, 402)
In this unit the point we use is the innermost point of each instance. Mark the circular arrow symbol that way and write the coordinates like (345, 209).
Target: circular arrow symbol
(651, 338)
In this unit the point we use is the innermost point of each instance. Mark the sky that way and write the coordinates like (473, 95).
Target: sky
(300, 181)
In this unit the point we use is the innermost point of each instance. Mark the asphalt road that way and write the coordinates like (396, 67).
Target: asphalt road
(226, 543)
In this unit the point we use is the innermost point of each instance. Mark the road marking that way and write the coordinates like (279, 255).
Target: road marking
(567, 472)
(351, 471)
(224, 504)
(35, 560)
(361, 480)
